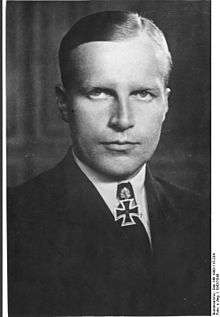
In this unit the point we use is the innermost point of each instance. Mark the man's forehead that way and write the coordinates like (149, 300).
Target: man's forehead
(111, 62)
(134, 44)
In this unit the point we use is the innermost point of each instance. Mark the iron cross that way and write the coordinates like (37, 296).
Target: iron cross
(126, 210)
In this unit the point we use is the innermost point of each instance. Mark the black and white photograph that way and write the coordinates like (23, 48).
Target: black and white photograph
(108, 114)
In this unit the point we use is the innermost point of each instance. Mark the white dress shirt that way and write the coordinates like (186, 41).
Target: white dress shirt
(108, 190)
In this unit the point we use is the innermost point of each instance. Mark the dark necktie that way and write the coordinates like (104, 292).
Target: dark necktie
(127, 216)
(137, 252)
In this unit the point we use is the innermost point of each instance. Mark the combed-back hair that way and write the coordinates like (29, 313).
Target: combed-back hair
(111, 26)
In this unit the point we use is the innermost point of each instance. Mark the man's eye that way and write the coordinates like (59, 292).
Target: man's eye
(144, 95)
(98, 94)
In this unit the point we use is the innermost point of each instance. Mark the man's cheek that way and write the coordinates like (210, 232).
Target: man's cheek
(148, 127)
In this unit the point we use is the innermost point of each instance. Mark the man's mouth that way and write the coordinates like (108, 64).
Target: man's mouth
(120, 145)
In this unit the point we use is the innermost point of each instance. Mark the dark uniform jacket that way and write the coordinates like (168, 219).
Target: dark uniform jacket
(68, 256)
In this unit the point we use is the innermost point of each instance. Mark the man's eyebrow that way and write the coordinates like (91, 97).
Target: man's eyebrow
(151, 88)
(110, 85)
(146, 87)
(86, 87)
(80, 84)
(95, 88)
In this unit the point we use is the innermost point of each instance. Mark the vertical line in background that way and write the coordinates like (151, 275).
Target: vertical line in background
(27, 80)
(17, 100)
(27, 85)
(14, 89)
(14, 70)
(36, 69)
(34, 102)
(47, 70)
(4, 214)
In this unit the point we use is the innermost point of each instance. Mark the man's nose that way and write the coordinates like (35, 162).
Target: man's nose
(122, 115)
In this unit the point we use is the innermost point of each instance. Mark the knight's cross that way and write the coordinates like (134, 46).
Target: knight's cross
(126, 210)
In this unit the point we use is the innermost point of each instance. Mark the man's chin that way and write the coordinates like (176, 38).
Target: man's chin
(114, 168)
(118, 172)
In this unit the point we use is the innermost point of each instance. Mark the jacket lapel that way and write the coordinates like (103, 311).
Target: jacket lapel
(165, 224)
(83, 205)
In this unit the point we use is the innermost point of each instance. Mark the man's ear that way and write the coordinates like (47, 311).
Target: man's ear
(62, 103)
(167, 93)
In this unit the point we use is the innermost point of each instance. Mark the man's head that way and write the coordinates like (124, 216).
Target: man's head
(115, 68)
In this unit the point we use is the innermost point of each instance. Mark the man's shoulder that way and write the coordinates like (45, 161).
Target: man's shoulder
(186, 204)
(49, 182)
(47, 191)
(36, 189)
(39, 183)
(180, 194)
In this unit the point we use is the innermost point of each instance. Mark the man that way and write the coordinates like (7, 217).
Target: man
(98, 234)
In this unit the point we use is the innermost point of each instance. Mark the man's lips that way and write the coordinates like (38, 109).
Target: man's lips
(120, 145)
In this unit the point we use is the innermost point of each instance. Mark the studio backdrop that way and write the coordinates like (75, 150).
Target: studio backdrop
(38, 138)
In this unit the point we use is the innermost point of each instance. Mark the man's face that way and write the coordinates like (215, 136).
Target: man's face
(116, 105)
